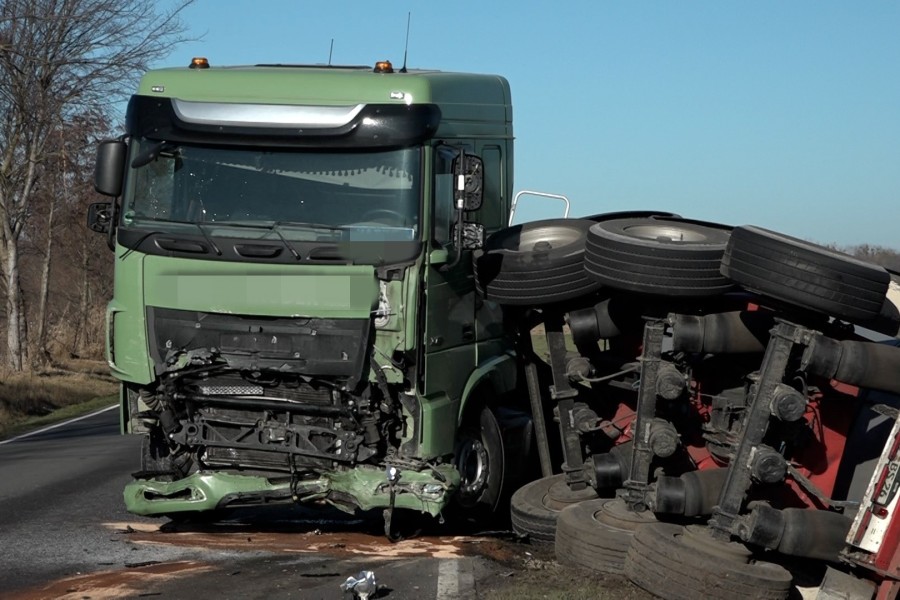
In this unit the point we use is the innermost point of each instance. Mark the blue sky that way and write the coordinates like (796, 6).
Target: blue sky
(773, 113)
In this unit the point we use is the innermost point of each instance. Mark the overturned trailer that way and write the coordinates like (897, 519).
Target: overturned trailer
(715, 409)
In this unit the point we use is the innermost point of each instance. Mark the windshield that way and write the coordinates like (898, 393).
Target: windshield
(353, 196)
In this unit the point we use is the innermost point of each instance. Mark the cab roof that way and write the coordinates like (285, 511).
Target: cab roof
(326, 85)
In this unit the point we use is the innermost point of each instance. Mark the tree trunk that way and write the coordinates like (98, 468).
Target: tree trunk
(13, 306)
(25, 351)
(81, 326)
(42, 353)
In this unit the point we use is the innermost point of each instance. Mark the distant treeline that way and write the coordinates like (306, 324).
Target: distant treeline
(886, 257)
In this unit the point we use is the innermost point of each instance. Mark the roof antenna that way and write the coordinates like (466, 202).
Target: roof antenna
(330, 51)
(406, 46)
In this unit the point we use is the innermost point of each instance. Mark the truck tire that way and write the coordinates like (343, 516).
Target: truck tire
(535, 263)
(481, 463)
(535, 507)
(629, 214)
(805, 274)
(658, 256)
(597, 534)
(677, 563)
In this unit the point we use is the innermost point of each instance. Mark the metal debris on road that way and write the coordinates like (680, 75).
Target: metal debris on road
(363, 586)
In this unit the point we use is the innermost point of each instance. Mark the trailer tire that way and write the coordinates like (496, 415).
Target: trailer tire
(588, 538)
(540, 262)
(535, 507)
(805, 274)
(658, 256)
(630, 214)
(676, 563)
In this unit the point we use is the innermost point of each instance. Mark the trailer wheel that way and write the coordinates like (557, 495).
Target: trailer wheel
(805, 274)
(535, 507)
(630, 214)
(659, 256)
(597, 534)
(685, 563)
(535, 263)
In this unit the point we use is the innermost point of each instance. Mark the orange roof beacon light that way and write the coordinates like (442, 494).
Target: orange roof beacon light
(384, 66)
(199, 62)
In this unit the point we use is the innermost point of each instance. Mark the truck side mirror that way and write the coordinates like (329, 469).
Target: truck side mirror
(99, 217)
(469, 172)
(109, 169)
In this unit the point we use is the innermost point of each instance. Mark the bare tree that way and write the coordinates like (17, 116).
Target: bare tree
(59, 58)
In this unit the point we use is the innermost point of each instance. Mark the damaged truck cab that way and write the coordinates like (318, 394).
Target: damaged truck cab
(294, 316)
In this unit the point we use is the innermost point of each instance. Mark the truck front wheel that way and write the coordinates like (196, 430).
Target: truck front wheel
(480, 461)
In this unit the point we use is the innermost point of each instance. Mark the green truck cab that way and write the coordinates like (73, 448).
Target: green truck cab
(295, 317)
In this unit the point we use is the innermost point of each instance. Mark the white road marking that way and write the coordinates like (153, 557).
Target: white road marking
(56, 425)
(448, 580)
(467, 578)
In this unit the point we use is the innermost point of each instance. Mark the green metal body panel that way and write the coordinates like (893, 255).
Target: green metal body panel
(126, 321)
(259, 289)
(496, 374)
(235, 288)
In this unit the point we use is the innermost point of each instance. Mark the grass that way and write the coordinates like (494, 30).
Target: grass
(32, 400)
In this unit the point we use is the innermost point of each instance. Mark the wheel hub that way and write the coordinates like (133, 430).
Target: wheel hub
(473, 468)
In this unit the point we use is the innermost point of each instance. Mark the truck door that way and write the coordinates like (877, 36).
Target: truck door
(449, 337)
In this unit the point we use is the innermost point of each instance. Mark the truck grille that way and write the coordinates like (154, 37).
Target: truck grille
(231, 390)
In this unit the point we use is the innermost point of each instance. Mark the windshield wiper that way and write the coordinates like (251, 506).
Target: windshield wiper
(276, 228)
(287, 244)
(140, 241)
(208, 239)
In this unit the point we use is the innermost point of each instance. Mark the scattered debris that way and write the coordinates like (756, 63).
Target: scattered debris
(363, 586)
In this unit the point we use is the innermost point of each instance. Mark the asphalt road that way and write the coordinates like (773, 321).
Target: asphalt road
(64, 533)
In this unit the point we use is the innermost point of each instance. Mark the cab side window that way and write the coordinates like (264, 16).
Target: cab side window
(444, 213)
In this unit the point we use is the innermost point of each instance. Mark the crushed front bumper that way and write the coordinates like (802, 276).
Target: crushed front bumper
(363, 488)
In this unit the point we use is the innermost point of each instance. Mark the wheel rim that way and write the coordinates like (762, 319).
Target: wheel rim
(615, 514)
(473, 469)
(559, 495)
(542, 239)
(665, 232)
